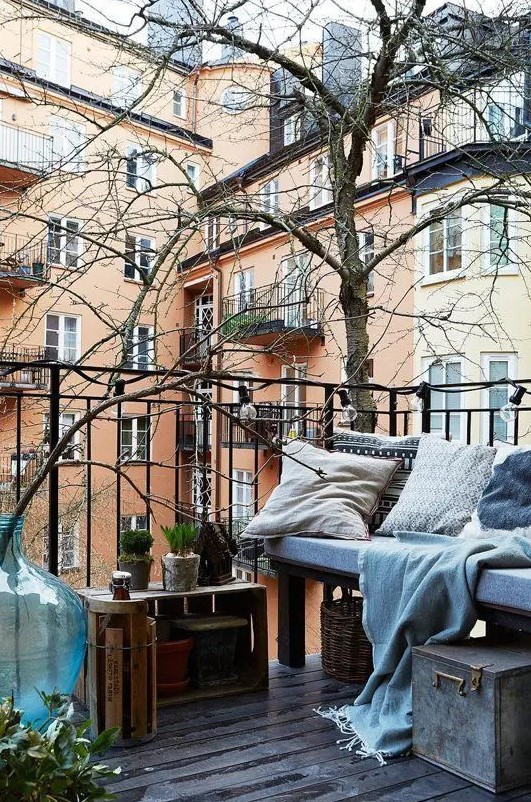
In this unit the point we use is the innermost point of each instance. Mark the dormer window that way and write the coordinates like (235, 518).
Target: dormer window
(292, 129)
(384, 146)
(320, 181)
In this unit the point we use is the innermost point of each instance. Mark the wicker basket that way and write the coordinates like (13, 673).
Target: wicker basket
(346, 652)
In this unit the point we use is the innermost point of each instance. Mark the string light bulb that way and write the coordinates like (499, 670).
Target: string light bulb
(420, 397)
(348, 411)
(508, 412)
(247, 410)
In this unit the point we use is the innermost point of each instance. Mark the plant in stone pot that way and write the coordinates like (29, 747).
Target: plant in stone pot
(135, 557)
(181, 565)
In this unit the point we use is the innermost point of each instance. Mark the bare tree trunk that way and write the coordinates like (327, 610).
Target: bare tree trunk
(353, 300)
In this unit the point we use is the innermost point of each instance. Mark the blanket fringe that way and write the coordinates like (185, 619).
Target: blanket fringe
(340, 717)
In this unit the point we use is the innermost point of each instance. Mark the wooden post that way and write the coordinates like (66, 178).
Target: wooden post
(291, 619)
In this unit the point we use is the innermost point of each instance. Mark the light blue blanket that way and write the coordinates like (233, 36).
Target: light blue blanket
(420, 589)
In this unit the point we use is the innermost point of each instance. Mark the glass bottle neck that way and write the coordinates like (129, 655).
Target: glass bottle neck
(10, 536)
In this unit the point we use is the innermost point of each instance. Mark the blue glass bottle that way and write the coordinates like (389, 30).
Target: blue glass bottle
(43, 628)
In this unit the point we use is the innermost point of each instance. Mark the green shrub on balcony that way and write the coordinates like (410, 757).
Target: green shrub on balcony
(237, 325)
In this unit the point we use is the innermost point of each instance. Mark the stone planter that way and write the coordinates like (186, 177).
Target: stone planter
(140, 572)
(179, 573)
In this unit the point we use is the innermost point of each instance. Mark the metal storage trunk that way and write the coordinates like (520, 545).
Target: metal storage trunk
(472, 711)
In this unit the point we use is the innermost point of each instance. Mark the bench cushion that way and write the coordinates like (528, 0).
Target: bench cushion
(506, 587)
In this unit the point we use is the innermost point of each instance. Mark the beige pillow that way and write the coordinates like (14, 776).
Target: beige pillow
(332, 504)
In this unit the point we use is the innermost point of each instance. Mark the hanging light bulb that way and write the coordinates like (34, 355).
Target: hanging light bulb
(508, 412)
(420, 397)
(247, 408)
(348, 411)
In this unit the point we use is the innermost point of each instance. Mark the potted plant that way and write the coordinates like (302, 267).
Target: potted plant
(181, 565)
(172, 659)
(135, 557)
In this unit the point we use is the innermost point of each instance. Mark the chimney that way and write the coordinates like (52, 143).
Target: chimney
(229, 52)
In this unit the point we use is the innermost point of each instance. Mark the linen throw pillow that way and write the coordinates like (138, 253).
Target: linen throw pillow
(378, 445)
(505, 505)
(331, 503)
(443, 488)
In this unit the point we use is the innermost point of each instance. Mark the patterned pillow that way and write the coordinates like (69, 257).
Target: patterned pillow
(443, 488)
(505, 506)
(387, 447)
(323, 494)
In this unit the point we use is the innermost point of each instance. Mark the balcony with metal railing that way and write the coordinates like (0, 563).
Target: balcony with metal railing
(261, 315)
(24, 155)
(26, 374)
(194, 346)
(23, 261)
(274, 421)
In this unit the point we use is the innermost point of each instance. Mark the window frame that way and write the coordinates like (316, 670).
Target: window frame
(197, 169)
(75, 444)
(296, 120)
(64, 241)
(74, 529)
(144, 177)
(212, 233)
(511, 268)
(61, 332)
(183, 103)
(60, 129)
(444, 361)
(486, 358)
(366, 252)
(50, 72)
(390, 147)
(133, 353)
(133, 522)
(269, 199)
(246, 483)
(138, 253)
(139, 452)
(125, 95)
(323, 193)
(445, 274)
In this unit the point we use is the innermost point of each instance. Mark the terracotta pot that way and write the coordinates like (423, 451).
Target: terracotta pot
(179, 574)
(140, 572)
(172, 665)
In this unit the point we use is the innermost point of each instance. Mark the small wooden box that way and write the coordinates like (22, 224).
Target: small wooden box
(472, 711)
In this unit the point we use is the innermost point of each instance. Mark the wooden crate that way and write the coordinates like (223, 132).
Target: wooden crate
(242, 599)
(120, 682)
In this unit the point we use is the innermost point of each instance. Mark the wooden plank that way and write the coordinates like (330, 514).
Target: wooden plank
(291, 619)
(139, 675)
(152, 672)
(475, 794)
(112, 685)
(92, 672)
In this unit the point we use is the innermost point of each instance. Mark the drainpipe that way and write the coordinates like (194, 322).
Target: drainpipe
(218, 366)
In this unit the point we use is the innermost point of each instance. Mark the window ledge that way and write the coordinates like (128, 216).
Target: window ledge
(442, 278)
(510, 270)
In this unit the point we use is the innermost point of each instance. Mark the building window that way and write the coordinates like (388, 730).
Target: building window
(320, 182)
(141, 169)
(126, 85)
(269, 199)
(69, 142)
(66, 420)
(242, 495)
(497, 367)
(212, 233)
(63, 338)
(445, 244)
(202, 490)
(383, 140)
(53, 59)
(134, 523)
(193, 172)
(179, 104)
(292, 129)
(501, 238)
(140, 253)
(140, 354)
(244, 289)
(64, 243)
(242, 574)
(445, 421)
(135, 438)
(366, 245)
(68, 547)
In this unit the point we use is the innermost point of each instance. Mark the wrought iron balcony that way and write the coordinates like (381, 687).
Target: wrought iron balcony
(275, 420)
(19, 377)
(261, 315)
(24, 155)
(194, 345)
(19, 471)
(194, 433)
(23, 262)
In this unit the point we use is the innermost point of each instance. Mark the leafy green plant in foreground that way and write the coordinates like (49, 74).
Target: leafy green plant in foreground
(54, 762)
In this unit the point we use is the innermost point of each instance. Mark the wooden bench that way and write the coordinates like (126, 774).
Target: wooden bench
(503, 595)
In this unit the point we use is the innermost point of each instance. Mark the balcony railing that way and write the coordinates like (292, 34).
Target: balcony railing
(22, 260)
(30, 376)
(273, 420)
(272, 310)
(18, 472)
(195, 434)
(25, 150)
(194, 345)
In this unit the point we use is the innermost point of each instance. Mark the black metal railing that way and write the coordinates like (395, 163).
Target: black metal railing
(23, 257)
(175, 477)
(29, 374)
(273, 309)
(194, 345)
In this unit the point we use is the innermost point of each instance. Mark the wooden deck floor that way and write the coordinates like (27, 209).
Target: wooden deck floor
(272, 746)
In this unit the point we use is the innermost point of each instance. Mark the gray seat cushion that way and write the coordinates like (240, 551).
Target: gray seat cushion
(507, 587)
